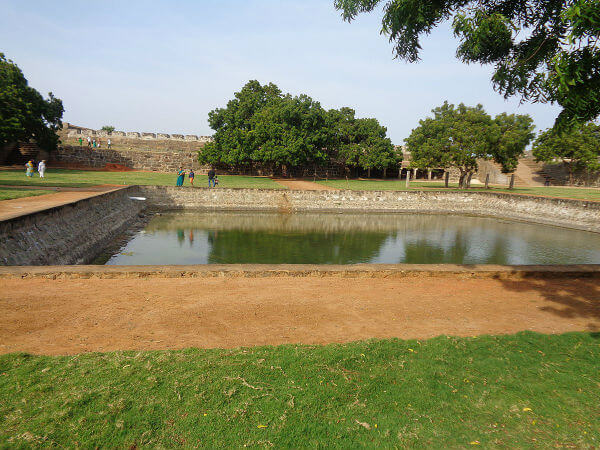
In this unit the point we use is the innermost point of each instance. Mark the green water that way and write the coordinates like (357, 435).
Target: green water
(319, 238)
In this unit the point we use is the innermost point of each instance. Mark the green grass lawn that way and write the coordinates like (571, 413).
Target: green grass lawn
(10, 193)
(400, 185)
(517, 391)
(82, 178)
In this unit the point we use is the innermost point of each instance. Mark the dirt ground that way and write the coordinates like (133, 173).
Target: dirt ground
(68, 316)
(61, 196)
(303, 185)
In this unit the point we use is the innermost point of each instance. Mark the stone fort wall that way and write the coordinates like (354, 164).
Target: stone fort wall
(70, 134)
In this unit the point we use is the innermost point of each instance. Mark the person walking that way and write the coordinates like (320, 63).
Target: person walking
(99, 143)
(80, 142)
(89, 141)
(211, 177)
(108, 142)
(42, 168)
(94, 143)
(191, 176)
(29, 168)
(180, 177)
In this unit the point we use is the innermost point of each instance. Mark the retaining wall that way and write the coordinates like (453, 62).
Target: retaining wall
(133, 159)
(576, 214)
(71, 234)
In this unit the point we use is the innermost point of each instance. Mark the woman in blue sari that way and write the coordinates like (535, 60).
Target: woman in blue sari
(181, 177)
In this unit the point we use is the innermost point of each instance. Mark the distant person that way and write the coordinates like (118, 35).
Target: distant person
(191, 176)
(89, 140)
(211, 177)
(99, 143)
(180, 177)
(108, 142)
(42, 168)
(216, 181)
(80, 142)
(94, 144)
(29, 168)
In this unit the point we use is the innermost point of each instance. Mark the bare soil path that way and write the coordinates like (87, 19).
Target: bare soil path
(20, 206)
(303, 185)
(68, 316)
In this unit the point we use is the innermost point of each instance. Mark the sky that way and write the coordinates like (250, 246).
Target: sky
(161, 66)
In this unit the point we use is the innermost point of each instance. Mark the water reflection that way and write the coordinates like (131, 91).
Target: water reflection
(262, 238)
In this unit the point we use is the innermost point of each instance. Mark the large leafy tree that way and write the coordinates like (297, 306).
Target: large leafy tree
(459, 136)
(24, 113)
(291, 132)
(234, 139)
(515, 134)
(542, 50)
(262, 125)
(361, 142)
(578, 149)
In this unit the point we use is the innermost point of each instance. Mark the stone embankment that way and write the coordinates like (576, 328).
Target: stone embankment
(77, 232)
(575, 214)
(69, 234)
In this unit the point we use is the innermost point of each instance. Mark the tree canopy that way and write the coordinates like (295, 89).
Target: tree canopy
(459, 136)
(24, 113)
(542, 50)
(578, 149)
(262, 125)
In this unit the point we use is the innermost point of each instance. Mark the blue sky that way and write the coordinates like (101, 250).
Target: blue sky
(161, 66)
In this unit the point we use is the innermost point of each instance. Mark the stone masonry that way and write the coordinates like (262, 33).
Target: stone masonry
(133, 159)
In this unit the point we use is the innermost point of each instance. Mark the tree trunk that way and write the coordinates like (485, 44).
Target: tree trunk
(446, 178)
(385, 173)
(461, 180)
(571, 178)
(512, 181)
(469, 176)
(487, 181)
(369, 172)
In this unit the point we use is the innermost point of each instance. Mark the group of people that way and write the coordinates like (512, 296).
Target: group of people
(93, 143)
(212, 177)
(41, 168)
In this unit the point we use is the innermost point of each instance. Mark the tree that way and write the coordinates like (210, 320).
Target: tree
(515, 134)
(361, 142)
(24, 113)
(234, 139)
(578, 149)
(262, 125)
(453, 137)
(459, 136)
(108, 128)
(543, 51)
(291, 132)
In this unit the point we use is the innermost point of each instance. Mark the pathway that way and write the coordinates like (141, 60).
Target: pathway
(68, 316)
(303, 185)
(10, 209)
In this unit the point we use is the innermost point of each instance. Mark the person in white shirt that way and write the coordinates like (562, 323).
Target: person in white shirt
(42, 168)
(89, 141)
(108, 143)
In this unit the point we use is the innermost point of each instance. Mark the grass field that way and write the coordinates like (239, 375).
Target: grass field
(10, 193)
(82, 178)
(516, 391)
(400, 185)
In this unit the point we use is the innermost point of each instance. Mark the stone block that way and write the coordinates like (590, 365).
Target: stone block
(133, 134)
(118, 134)
(177, 136)
(191, 137)
(163, 136)
(148, 136)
